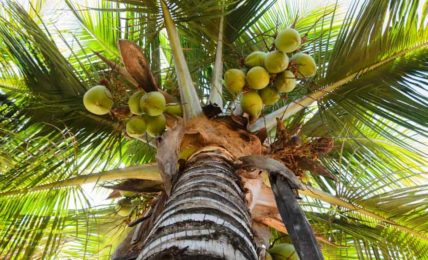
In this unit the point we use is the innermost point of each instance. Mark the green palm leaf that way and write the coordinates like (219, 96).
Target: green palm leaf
(374, 56)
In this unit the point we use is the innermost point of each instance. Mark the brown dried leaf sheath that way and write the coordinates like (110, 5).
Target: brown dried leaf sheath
(136, 64)
(315, 167)
(167, 153)
(262, 205)
(201, 132)
(134, 185)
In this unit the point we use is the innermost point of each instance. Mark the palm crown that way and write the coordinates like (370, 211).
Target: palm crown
(369, 95)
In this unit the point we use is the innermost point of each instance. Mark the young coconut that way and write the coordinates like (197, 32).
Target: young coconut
(134, 103)
(269, 96)
(124, 207)
(283, 251)
(234, 80)
(174, 109)
(252, 104)
(153, 103)
(306, 66)
(136, 126)
(257, 78)
(127, 194)
(276, 62)
(98, 100)
(285, 82)
(256, 58)
(288, 40)
(156, 125)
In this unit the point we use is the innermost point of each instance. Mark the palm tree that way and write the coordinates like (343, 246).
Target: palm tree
(366, 198)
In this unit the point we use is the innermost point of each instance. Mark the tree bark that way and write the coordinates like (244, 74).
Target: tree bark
(205, 217)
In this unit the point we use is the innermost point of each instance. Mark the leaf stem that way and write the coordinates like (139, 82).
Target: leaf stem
(216, 84)
(324, 196)
(151, 172)
(189, 98)
(145, 172)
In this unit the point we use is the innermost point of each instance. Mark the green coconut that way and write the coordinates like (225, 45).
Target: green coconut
(288, 40)
(257, 78)
(283, 251)
(127, 194)
(306, 66)
(285, 82)
(269, 96)
(174, 109)
(136, 126)
(156, 125)
(234, 80)
(256, 58)
(124, 207)
(153, 103)
(276, 61)
(252, 103)
(98, 100)
(134, 103)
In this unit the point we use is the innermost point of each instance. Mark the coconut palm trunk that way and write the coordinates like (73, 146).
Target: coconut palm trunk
(205, 216)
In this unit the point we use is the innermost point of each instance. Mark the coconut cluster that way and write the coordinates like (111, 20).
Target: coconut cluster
(148, 114)
(147, 109)
(267, 75)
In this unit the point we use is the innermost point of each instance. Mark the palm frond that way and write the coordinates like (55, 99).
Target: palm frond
(48, 63)
(46, 137)
(386, 45)
(375, 56)
(101, 28)
(377, 31)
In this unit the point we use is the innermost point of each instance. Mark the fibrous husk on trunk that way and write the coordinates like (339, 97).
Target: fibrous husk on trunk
(222, 132)
(300, 156)
(134, 185)
(261, 203)
(168, 149)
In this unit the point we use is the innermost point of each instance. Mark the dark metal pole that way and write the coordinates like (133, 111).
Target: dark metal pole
(294, 219)
(284, 183)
